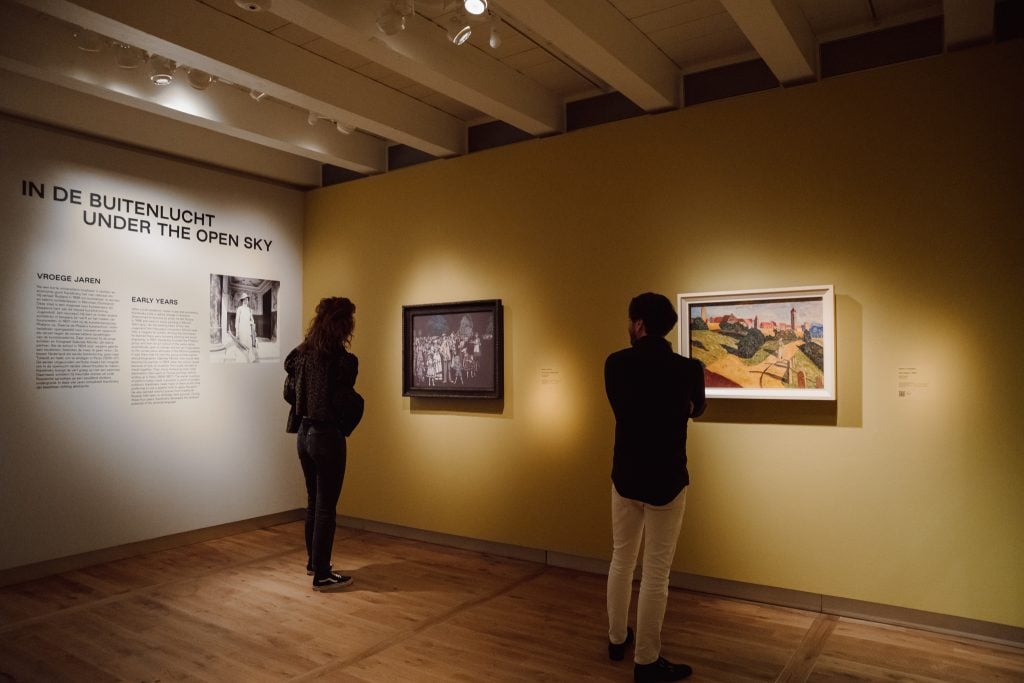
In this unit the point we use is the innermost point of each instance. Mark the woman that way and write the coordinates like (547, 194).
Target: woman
(325, 409)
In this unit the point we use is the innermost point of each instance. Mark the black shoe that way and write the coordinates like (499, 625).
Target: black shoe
(617, 652)
(333, 582)
(660, 670)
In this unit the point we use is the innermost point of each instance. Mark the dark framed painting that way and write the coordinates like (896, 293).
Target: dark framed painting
(453, 350)
(765, 343)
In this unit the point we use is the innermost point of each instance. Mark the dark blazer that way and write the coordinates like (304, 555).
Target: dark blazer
(653, 392)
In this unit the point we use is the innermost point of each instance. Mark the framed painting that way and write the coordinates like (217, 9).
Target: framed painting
(453, 350)
(765, 343)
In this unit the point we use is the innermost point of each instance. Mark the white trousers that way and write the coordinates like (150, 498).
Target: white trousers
(659, 526)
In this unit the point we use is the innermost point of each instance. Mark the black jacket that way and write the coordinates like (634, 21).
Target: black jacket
(653, 392)
(321, 386)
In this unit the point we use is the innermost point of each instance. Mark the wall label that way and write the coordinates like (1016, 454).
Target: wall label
(911, 382)
(550, 376)
(75, 337)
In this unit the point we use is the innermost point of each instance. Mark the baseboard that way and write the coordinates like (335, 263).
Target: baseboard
(782, 597)
(751, 592)
(462, 542)
(929, 621)
(59, 565)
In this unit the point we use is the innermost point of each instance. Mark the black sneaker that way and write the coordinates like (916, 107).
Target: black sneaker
(660, 670)
(616, 652)
(333, 582)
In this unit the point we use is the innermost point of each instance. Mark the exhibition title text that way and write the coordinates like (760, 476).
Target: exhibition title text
(128, 215)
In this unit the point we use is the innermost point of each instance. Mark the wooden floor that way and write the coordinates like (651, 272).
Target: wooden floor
(241, 609)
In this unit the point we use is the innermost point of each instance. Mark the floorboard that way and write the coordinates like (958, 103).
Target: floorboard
(240, 608)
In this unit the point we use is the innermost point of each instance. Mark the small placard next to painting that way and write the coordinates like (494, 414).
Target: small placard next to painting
(763, 343)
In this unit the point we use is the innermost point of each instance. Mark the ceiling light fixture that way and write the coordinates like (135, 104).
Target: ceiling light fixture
(257, 95)
(495, 40)
(475, 7)
(254, 5)
(199, 79)
(313, 118)
(390, 22)
(161, 70)
(459, 29)
(391, 19)
(88, 41)
(344, 128)
(129, 57)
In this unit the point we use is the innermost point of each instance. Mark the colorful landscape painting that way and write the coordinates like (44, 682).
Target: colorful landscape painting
(760, 344)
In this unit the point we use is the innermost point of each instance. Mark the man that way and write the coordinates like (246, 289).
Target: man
(245, 328)
(653, 393)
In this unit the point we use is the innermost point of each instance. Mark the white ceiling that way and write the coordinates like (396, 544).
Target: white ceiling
(413, 88)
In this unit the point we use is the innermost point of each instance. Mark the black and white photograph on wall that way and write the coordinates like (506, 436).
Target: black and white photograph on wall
(243, 319)
(453, 350)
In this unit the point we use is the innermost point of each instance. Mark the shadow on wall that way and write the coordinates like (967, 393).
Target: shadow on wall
(457, 406)
(846, 411)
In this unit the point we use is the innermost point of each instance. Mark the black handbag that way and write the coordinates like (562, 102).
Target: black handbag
(294, 419)
(351, 412)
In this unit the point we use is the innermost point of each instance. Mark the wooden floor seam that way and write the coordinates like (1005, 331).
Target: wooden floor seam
(408, 633)
(801, 664)
(136, 592)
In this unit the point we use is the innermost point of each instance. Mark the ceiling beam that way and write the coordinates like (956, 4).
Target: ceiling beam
(40, 101)
(781, 35)
(40, 48)
(968, 22)
(423, 53)
(603, 41)
(195, 34)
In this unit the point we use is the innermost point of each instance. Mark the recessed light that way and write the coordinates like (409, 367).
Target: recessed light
(254, 5)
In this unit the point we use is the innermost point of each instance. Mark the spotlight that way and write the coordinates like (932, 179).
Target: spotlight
(344, 128)
(475, 7)
(257, 95)
(391, 19)
(128, 57)
(198, 79)
(161, 70)
(312, 118)
(88, 41)
(459, 29)
(495, 40)
(390, 22)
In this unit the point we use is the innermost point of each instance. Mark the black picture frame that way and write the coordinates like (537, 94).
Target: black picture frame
(453, 350)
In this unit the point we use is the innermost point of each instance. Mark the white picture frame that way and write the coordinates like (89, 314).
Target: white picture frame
(762, 343)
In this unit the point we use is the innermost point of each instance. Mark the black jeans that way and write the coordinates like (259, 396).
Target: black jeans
(322, 454)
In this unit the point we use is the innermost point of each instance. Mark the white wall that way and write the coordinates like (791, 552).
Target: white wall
(85, 468)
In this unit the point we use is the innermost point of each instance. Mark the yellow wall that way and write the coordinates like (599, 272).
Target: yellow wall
(901, 186)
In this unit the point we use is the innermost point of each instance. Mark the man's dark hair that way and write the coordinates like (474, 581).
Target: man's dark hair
(657, 312)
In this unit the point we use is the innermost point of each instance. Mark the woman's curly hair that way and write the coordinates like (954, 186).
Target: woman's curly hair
(332, 326)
